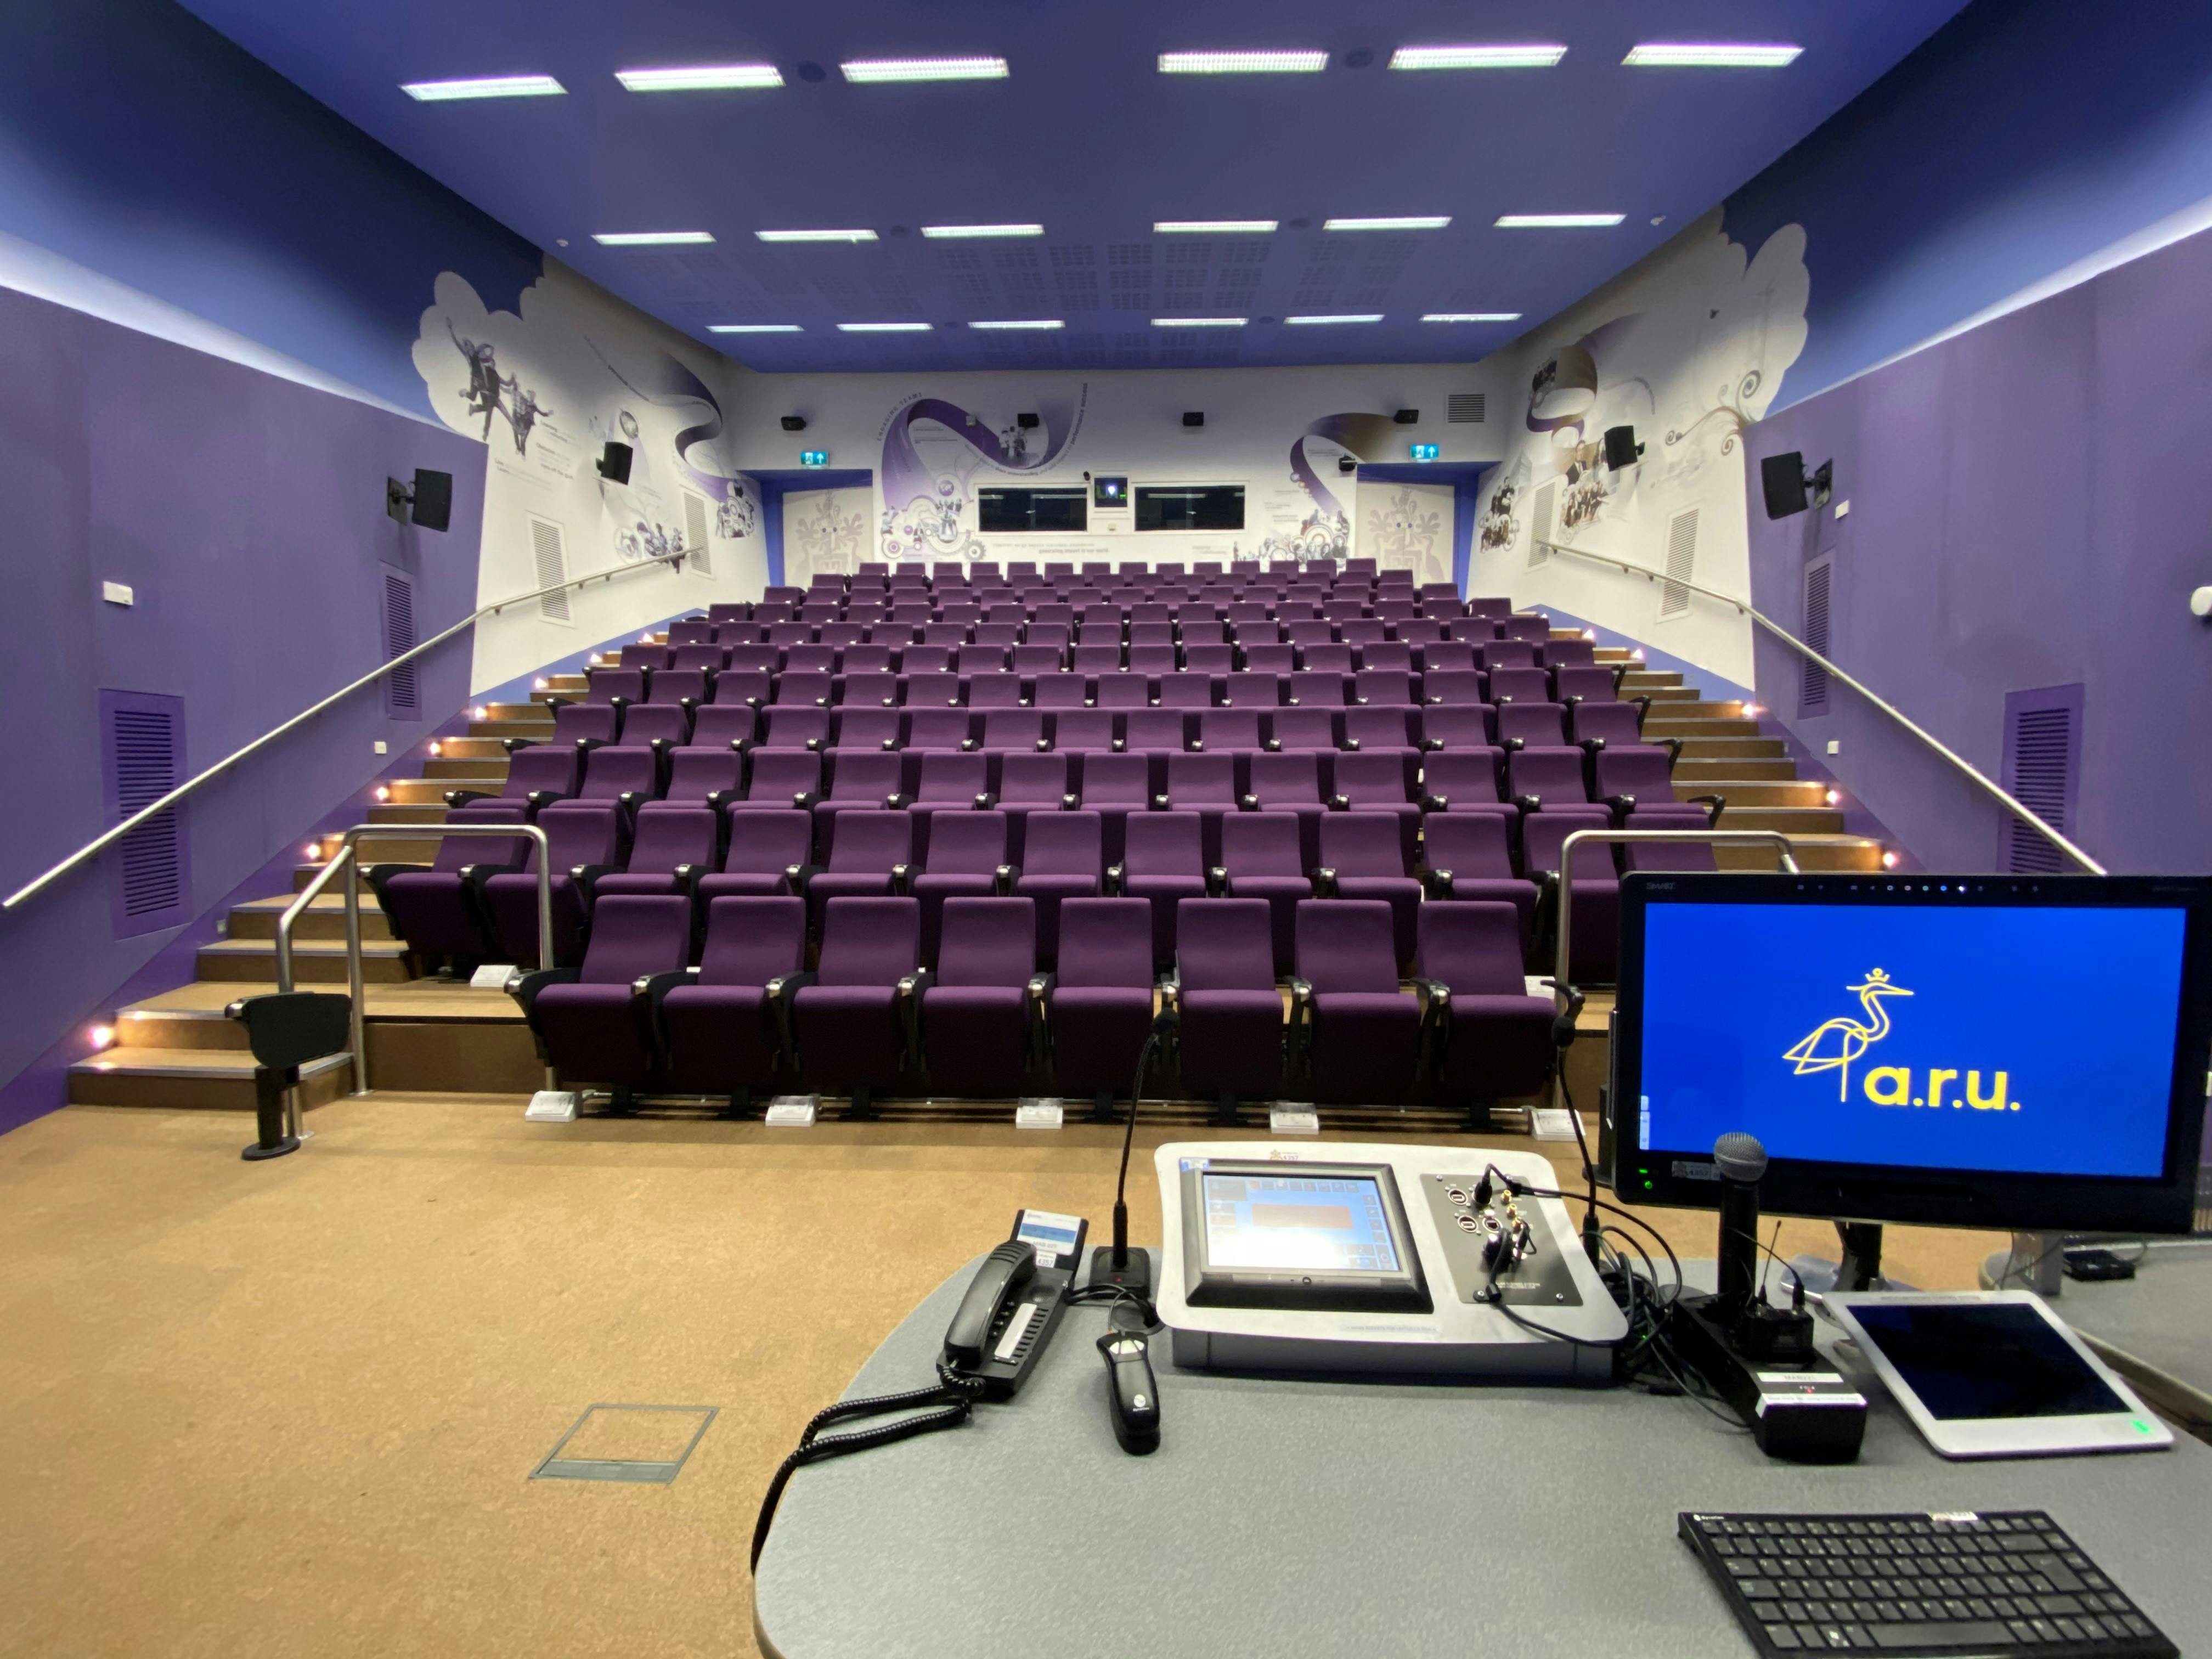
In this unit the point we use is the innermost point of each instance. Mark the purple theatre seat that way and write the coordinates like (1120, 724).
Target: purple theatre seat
(1386, 657)
(1458, 726)
(1361, 859)
(752, 687)
(1157, 734)
(671, 848)
(1206, 785)
(1315, 731)
(1290, 782)
(805, 657)
(711, 776)
(701, 654)
(1324, 659)
(868, 688)
(760, 657)
(869, 856)
(914, 658)
(684, 688)
(583, 839)
(1232, 731)
(1484, 1037)
(1566, 654)
(1435, 656)
(1308, 630)
(1595, 943)
(1374, 780)
(1260, 858)
(1029, 784)
(1079, 731)
(806, 687)
(593, 1024)
(1271, 656)
(1100, 1012)
(1470, 857)
(1463, 780)
(1520, 685)
(1357, 1034)
(855, 1024)
(1259, 692)
(1545, 780)
(1636, 775)
(574, 723)
(872, 659)
(439, 911)
(1585, 683)
(1229, 1015)
(948, 783)
(1605, 725)
(1507, 653)
(864, 728)
(1185, 691)
(1385, 688)
(1063, 858)
(782, 779)
(1666, 855)
(794, 725)
(726, 1028)
(1095, 658)
(926, 729)
(861, 781)
(995, 689)
(1164, 861)
(691, 630)
(1316, 688)
(649, 723)
(536, 777)
(928, 689)
(981, 1015)
(645, 654)
(1126, 691)
(1057, 690)
(966, 859)
(1453, 685)
(766, 856)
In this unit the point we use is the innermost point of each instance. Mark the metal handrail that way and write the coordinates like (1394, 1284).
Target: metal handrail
(298, 908)
(361, 832)
(1773, 838)
(99, 843)
(1743, 607)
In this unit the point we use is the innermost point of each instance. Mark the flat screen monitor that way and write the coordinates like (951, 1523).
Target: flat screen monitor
(1270, 1234)
(2023, 1053)
(1190, 506)
(1054, 511)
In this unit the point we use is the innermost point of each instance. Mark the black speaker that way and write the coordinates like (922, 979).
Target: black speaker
(614, 464)
(1782, 479)
(433, 505)
(1407, 417)
(1028, 422)
(1621, 448)
(794, 424)
(1347, 464)
(1194, 418)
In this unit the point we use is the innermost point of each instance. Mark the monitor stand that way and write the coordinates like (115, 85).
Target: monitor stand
(1860, 1269)
(2033, 1261)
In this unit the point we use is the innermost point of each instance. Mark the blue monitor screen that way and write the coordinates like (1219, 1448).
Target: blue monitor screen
(1325, 1223)
(2026, 1041)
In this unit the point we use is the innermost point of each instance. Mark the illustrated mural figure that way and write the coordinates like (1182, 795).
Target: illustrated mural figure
(527, 408)
(487, 393)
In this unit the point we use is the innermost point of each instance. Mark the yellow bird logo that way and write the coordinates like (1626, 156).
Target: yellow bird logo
(1833, 1046)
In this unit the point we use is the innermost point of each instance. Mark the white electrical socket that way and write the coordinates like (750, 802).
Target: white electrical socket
(382, 748)
(1844, 509)
(1835, 745)
(118, 594)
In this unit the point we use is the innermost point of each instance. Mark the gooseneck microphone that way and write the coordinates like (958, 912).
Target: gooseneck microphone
(1115, 1264)
(1741, 1162)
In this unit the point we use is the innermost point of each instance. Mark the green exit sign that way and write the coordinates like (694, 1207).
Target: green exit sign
(814, 458)
(1425, 452)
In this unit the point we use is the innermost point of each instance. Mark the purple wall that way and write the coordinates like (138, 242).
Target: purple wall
(248, 512)
(2027, 509)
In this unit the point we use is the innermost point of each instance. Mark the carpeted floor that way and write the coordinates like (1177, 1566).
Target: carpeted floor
(292, 1408)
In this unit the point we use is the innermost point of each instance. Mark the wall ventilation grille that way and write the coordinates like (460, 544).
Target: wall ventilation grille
(2042, 765)
(1540, 524)
(1813, 691)
(552, 568)
(1681, 564)
(142, 755)
(400, 698)
(697, 546)
(1466, 408)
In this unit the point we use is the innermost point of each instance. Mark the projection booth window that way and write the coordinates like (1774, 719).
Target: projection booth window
(1053, 511)
(1190, 506)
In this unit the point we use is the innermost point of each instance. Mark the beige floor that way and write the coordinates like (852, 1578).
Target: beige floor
(291, 1408)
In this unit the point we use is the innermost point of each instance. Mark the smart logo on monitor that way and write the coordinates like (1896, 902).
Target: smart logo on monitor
(1833, 1045)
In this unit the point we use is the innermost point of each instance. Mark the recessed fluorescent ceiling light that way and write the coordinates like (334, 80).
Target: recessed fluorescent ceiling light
(754, 328)
(483, 85)
(1242, 63)
(816, 236)
(1385, 224)
(1556, 220)
(955, 232)
(1711, 54)
(700, 78)
(1198, 322)
(884, 328)
(1471, 317)
(869, 71)
(1358, 317)
(1037, 322)
(1212, 227)
(1460, 57)
(651, 238)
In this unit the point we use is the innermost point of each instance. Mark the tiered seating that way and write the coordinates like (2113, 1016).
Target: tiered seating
(996, 807)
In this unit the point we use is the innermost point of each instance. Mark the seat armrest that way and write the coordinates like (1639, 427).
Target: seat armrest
(986, 801)
(1114, 874)
(1514, 746)
(896, 802)
(1004, 877)
(587, 877)
(1436, 803)
(1037, 1001)
(1120, 744)
(1339, 803)
(1273, 745)
(1159, 803)
(1044, 745)
(1324, 881)
(901, 878)
(1352, 745)
(1716, 805)
(656, 989)
(1434, 1038)
(1590, 746)
(463, 796)
(779, 994)
(1430, 745)
(1069, 803)
(806, 800)
(1674, 748)
(629, 801)
(796, 876)
(1436, 885)
(524, 986)
(1217, 880)
(1642, 703)
(1198, 746)
(912, 989)
(967, 745)
(1573, 702)
(1248, 802)
(516, 745)
(1529, 803)
(1299, 1035)
(1621, 806)
(717, 801)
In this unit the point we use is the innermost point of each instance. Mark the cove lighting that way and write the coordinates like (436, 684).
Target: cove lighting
(1038, 322)
(1557, 220)
(884, 328)
(1212, 227)
(483, 85)
(1242, 63)
(700, 78)
(1462, 57)
(1711, 54)
(1471, 317)
(754, 328)
(816, 236)
(1348, 317)
(1437, 223)
(868, 71)
(1198, 322)
(652, 238)
(956, 233)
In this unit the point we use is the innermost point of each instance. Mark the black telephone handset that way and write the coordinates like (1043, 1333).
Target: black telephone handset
(1013, 1303)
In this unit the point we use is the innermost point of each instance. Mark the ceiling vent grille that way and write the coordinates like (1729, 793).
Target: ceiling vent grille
(1681, 564)
(401, 699)
(1813, 689)
(2042, 769)
(143, 758)
(552, 562)
(1466, 408)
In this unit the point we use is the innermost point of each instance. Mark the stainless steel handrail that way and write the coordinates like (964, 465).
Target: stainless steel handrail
(1743, 607)
(1773, 838)
(293, 912)
(361, 832)
(99, 843)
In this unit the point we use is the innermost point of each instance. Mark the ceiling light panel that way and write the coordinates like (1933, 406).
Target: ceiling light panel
(1346, 317)
(1437, 223)
(875, 71)
(754, 328)
(1213, 227)
(1471, 317)
(1558, 220)
(1711, 54)
(1469, 57)
(884, 328)
(483, 85)
(955, 232)
(1198, 322)
(1032, 322)
(652, 238)
(816, 236)
(700, 78)
(1242, 63)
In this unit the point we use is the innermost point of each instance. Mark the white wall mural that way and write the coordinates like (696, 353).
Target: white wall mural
(824, 530)
(546, 387)
(1407, 527)
(1689, 347)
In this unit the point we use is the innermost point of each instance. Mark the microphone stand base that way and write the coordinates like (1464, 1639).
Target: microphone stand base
(1136, 1276)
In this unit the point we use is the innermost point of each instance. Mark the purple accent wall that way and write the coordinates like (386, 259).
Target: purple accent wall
(247, 513)
(2026, 511)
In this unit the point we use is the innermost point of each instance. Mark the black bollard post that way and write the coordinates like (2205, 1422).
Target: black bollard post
(270, 1084)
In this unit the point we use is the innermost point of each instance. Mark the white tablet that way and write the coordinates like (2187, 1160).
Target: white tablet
(1995, 1374)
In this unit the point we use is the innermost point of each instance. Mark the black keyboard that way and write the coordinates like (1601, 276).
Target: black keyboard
(1952, 1585)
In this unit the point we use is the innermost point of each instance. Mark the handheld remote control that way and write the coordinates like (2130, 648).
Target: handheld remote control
(1132, 1397)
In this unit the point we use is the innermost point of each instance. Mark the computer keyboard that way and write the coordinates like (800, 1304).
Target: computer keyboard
(1952, 1584)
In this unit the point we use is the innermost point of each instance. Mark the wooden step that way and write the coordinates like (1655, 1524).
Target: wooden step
(1846, 852)
(431, 792)
(1668, 696)
(181, 1028)
(446, 769)
(475, 748)
(1790, 820)
(1645, 678)
(325, 919)
(530, 731)
(1753, 791)
(319, 961)
(1665, 722)
(193, 1080)
(1699, 767)
(1708, 745)
(396, 813)
(498, 713)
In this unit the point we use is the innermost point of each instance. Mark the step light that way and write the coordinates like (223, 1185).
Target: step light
(101, 1036)
(700, 78)
(653, 238)
(1242, 63)
(1212, 227)
(1711, 54)
(871, 71)
(483, 86)
(1558, 220)
(1436, 223)
(816, 236)
(754, 328)
(1468, 57)
(955, 232)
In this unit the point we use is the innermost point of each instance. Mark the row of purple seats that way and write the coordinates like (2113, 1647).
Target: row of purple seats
(631, 678)
(872, 1018)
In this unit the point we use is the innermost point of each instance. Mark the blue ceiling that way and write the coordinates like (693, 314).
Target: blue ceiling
(1086, 137)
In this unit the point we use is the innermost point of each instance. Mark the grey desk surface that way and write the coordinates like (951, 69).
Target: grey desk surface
(2162, 1318)
(1281, 1520)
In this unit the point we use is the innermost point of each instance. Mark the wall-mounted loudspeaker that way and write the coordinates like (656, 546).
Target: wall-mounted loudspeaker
(1789, 488)
(1347, 464)
(1407, 417)
(1194, 418)
(1621, 448)
(1027, 421)
(614, 464)
(794, 424)
(429, 504)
